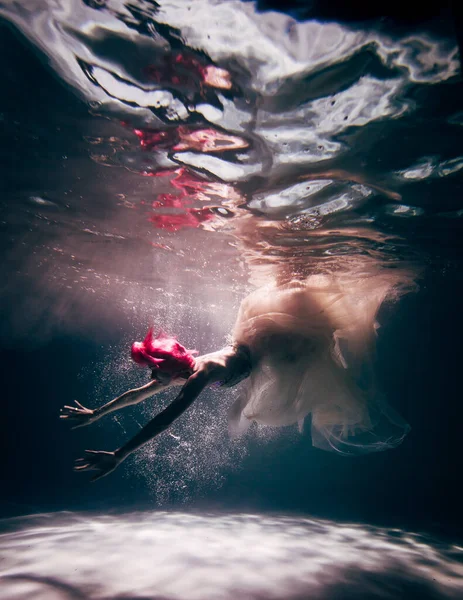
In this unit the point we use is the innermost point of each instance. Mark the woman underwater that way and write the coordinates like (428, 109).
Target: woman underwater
(302, 347)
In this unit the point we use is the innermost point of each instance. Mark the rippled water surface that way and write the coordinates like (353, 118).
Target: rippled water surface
(203, 145)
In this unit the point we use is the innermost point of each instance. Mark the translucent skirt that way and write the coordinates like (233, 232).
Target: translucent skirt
(312, 344)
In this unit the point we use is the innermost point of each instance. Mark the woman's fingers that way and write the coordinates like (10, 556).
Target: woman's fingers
(80, 464)
(79, 410)
(71, 412)
(65, 415)
(82, 467)
(89, 463)
(97, 460)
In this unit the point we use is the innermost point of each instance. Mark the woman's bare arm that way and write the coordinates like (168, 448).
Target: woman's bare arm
(190, 391)
(84, 416)
(227, 366)
(105, 462)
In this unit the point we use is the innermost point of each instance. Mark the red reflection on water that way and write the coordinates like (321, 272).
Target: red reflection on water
(208, 140)
(154, 138)
(192, 217)
(169, 201)
(178, 69)
(187, 182)
(182, 70)
(187, 138)
(191, 188)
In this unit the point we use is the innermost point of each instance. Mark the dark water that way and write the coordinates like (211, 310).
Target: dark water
(159, 161)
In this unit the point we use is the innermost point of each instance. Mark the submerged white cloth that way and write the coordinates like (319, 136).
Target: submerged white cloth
(312, 344)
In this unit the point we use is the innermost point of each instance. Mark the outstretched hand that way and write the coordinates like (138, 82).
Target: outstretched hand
(100, 461)
(83, 416)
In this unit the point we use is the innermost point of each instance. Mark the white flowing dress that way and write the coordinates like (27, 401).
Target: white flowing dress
(311, 343)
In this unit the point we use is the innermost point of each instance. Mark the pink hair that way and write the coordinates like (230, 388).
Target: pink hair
(163, 353)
